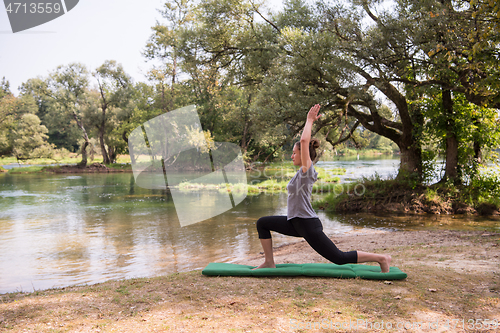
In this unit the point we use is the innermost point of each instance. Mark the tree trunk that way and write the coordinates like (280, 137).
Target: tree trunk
(112, 155)
(411, 162)
(83, 162)
(477, 149)
(451, 168)
(105, 156)
(174, 77)
(163, 102)
(477, 152)
(244, 140)
(102, 126)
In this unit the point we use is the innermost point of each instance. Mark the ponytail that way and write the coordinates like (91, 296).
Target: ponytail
(313, 145)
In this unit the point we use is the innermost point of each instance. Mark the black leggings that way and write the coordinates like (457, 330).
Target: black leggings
(312, 231)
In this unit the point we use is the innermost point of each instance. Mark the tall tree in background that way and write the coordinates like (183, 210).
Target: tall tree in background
(185, 43)
(115, 91)
(66, 87)
(63, 131)
(163, 47)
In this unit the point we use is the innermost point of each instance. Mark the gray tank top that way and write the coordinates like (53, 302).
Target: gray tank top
(299, 194)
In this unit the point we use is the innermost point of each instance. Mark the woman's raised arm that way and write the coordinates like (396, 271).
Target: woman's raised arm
(312, 116)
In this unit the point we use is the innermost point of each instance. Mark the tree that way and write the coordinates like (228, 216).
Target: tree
(458, 56)
(63, 130)
(146, 103)
(355, 52)
(489, 12)
(67, 86)
(163, 46)
(30, 139)
(115, 91)
(4, 88)
(11, 111)
(181, 46)
(476, 130)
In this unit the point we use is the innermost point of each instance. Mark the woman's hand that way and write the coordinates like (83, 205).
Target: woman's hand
(313, 115)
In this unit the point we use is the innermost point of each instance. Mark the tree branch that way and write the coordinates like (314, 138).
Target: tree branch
(264, 18)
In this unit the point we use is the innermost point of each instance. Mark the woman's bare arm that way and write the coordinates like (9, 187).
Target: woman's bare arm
(312, 116)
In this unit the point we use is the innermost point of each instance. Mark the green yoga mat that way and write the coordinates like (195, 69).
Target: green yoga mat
(324, 270)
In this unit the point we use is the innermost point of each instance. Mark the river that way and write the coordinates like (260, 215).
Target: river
(60, 230)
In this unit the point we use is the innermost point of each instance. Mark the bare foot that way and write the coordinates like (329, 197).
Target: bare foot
(385, 263)
(265, 265)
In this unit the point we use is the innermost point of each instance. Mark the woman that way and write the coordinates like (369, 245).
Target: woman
(301, 220)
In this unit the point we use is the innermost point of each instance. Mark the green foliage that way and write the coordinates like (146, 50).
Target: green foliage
(429, 172)
(271, 185)
(60, 98)
(11, 111)
(29, 139)
(483, 187)
(475, 128)
(431, 195)
(330, 201)
(63, 131)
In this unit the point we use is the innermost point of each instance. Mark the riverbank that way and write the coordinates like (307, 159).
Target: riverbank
(452, 276)
(90, 168)
(391, 196)
(64, 165)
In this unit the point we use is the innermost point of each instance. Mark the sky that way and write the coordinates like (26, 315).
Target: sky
(92, 32)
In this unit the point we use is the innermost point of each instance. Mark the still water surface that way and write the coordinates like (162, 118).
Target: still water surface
(60, 230)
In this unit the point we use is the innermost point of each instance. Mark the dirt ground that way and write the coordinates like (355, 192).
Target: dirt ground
(453, 285)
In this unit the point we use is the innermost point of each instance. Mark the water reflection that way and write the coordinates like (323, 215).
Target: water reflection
(365, 167)
(58, 230)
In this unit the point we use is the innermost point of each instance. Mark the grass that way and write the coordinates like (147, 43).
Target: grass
(193, 302)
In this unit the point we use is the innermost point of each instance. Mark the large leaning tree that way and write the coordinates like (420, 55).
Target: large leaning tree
(348, 54)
